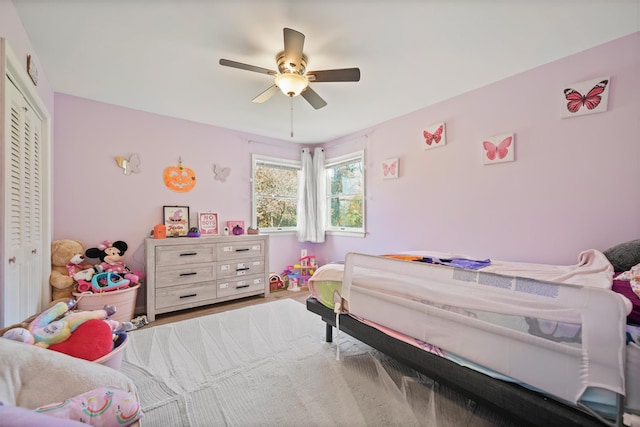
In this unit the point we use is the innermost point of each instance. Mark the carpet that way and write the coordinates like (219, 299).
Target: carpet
(268, 365)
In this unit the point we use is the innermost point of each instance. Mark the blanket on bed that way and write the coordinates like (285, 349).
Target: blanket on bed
(592, 269)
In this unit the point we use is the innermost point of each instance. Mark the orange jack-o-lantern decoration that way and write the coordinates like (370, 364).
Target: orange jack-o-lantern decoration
(180, 179)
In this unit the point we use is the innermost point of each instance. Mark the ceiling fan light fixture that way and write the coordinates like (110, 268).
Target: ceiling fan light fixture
(291, 84)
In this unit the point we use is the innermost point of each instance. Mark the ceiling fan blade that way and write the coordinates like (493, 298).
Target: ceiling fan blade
(240, 65)
(293, 45)
(341, 75)
(264, 96)
(313, 98)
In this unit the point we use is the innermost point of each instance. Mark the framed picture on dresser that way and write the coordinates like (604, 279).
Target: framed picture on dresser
(176, 219)
(208, 223)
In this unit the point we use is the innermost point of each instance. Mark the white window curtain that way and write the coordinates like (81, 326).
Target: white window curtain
(312, 198)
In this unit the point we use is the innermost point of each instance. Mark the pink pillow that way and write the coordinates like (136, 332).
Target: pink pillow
(101, 407)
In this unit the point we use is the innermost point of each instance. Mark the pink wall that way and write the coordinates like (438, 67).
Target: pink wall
(573, 186)
(575, 183)
(12, 30)
(94, 200)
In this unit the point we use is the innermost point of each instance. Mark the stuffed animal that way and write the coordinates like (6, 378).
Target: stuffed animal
(111, 257)
(85, 334)
(67, 257)
(56, 324)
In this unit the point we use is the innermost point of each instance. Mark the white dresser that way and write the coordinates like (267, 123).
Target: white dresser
(186, 272)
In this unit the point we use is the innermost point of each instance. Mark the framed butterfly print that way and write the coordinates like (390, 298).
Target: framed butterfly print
(208, 223)
(498, 149)
(390, 168)
(434, 136)
(587, 97)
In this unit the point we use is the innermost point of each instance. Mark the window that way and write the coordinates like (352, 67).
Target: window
(275, 193)
(345, 194)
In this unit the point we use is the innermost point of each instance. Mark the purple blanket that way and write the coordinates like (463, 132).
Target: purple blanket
(623, 287)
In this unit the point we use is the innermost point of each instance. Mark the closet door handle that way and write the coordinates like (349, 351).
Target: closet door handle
(12, 260)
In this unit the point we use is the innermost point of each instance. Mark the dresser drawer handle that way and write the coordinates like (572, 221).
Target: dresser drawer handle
(242, 269)
(242, 250)
(242, 286)
(188, 274)
(188, 296)
(189, 254)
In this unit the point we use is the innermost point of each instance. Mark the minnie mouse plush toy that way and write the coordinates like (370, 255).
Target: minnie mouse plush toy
(111, 257)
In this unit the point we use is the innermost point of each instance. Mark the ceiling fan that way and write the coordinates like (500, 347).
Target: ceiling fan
(292, 77)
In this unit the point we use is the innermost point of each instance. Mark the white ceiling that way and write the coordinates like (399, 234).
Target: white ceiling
(161, 56)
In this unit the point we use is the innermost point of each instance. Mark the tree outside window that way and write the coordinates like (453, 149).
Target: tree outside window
(275, 192)
(345, 179)
(275, 183)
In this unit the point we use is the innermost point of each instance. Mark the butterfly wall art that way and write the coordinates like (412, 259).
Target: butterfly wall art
(498, 149)
(434, 136)
(220, 173)
(587, 97)
(129, 166)
(390, 168)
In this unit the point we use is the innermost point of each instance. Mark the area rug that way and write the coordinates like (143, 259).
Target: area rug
(268, 365)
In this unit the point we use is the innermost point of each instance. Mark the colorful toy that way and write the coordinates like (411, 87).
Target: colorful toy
(105, 282)
(111, 257)
(85, 334)
(46, 330)
(275, 282)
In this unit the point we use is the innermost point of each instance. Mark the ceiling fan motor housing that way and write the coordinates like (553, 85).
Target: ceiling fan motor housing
(290, 65)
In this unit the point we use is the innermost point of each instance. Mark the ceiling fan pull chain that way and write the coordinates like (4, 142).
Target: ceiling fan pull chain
(291, 97)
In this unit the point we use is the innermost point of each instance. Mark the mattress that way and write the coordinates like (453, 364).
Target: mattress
(560, 332)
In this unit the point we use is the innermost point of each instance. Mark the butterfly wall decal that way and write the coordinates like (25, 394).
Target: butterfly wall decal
(586, 97)
(132, 165)
(220, 173)
(390, 168)
(495, 152)
(434, 136)
(591, 100)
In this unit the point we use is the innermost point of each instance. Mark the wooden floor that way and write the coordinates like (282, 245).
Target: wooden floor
(162, 319)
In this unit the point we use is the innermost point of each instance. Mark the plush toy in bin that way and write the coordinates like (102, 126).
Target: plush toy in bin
(111, 256)
(88, 335)
(67, 268)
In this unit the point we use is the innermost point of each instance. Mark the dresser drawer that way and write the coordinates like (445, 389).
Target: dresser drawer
(240, 267)
(240, 249)
(185, 254)
(183, 274)
(189, 295)
(240, 286)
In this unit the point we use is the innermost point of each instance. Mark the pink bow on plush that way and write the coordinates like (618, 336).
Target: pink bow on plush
(106, 244)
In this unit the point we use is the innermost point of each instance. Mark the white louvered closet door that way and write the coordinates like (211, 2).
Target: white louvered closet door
(21, 282)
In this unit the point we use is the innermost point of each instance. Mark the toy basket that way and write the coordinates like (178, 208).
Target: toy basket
(124, 300)
(114, 358)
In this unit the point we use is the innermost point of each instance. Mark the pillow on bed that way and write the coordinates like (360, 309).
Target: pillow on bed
(624, 256)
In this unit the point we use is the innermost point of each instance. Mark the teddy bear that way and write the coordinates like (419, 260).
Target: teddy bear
(111, 257)
(67, 261)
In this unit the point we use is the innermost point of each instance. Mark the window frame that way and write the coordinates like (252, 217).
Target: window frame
(279, 162)
(332, 163)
